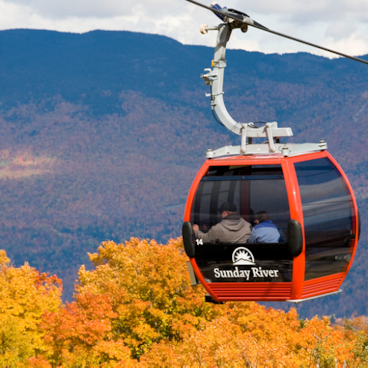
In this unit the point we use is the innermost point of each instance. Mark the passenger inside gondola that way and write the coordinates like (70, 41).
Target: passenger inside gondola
(265, 231)
(231, 230)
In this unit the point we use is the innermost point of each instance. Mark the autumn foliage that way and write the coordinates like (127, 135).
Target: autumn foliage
(135, 308)
(25, 295)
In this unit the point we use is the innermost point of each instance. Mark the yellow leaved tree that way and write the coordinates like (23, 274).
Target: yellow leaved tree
(25, 295)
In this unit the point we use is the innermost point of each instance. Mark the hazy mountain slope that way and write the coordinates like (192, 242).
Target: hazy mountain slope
(102, 134)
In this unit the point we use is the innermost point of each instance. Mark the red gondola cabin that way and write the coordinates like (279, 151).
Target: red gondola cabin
(308, 197)
(300, 186)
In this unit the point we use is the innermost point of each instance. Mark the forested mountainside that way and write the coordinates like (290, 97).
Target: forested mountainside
(102, 134)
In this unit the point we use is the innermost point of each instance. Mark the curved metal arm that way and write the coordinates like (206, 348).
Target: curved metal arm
(215, 78)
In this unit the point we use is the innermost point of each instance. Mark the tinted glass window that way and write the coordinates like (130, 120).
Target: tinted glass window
(252, 189)
(327, 211)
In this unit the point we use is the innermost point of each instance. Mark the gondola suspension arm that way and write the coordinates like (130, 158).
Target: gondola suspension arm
(214, 77)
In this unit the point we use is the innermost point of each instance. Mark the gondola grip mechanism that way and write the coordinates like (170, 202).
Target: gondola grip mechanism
(233, 19)
(215, 78)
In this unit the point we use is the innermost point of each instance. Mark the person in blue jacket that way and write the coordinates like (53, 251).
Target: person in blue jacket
(265, 231)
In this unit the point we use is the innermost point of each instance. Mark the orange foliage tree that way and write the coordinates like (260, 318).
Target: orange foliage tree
(145, 298)
(137, 309)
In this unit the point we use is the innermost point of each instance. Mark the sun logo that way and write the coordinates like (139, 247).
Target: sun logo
(243, 256)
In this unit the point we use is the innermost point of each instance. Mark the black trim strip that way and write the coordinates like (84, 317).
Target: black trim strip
(243, 177)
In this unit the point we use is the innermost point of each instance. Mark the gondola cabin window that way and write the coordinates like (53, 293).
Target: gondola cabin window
(329, 218)
(252, 189)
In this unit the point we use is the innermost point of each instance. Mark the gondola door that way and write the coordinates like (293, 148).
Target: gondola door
(331, 223)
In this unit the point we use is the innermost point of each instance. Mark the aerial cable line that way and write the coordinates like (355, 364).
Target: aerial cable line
(250, 22)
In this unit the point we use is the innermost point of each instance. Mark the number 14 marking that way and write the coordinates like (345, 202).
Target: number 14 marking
(199, 241)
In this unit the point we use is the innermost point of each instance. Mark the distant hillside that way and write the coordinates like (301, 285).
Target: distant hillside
(102, 134)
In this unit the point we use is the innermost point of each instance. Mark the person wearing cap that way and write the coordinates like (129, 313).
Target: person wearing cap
(232, 229)
(264, 231)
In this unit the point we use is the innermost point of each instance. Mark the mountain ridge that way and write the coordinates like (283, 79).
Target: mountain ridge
(103, 133)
